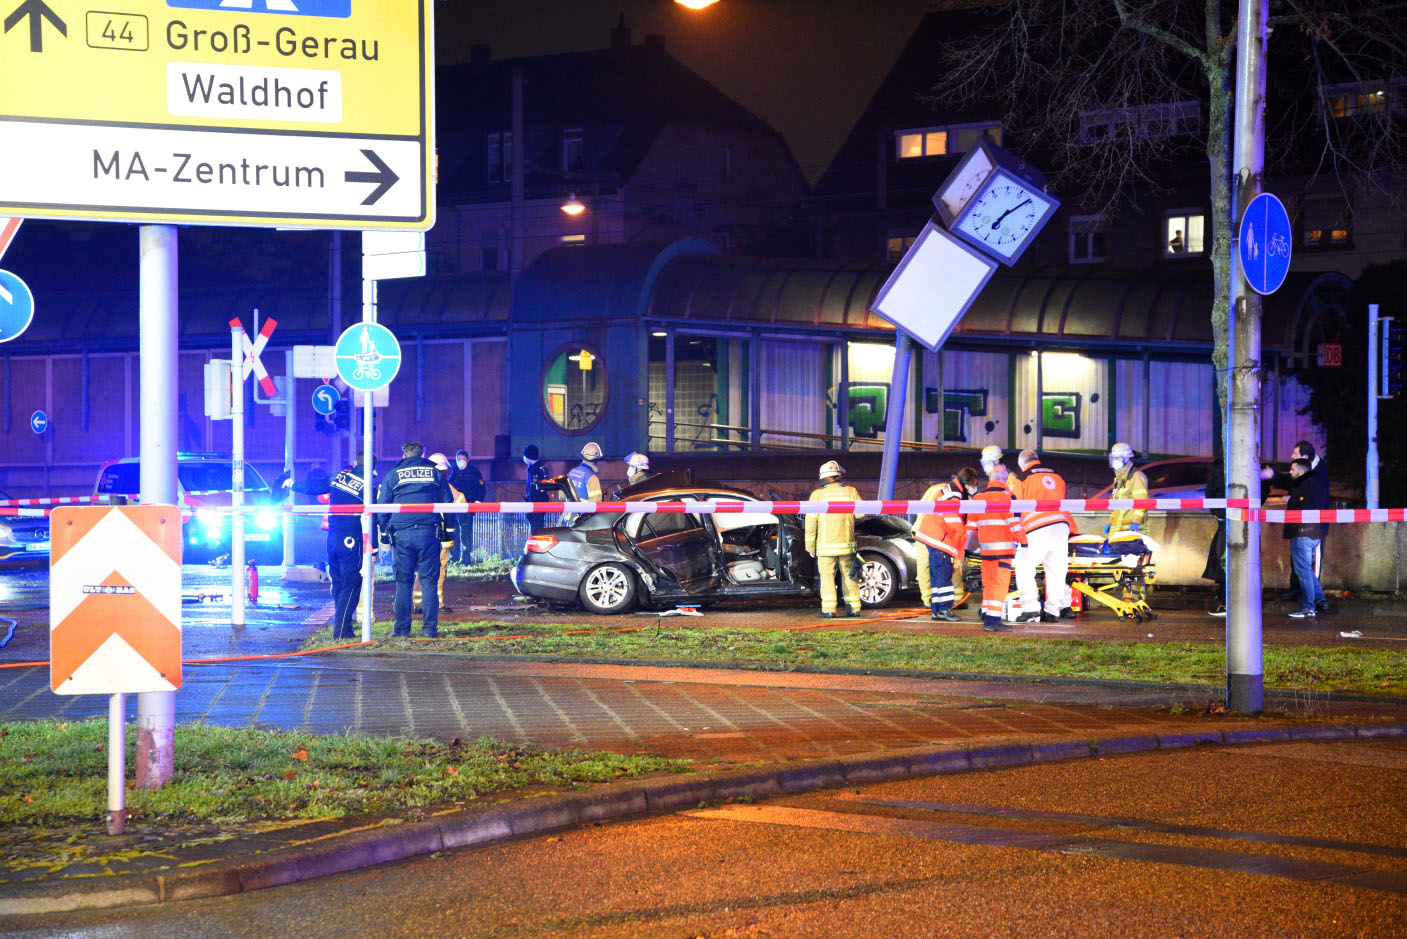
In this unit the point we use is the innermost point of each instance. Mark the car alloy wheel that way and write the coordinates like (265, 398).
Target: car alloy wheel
(608, 588)
(878, 580)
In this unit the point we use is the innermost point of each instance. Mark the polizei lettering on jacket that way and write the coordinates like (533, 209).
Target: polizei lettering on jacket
(242, 39)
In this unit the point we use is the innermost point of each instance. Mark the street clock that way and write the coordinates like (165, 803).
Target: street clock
(995, 201)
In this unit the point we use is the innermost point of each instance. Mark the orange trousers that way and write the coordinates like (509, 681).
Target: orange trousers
(996, 581)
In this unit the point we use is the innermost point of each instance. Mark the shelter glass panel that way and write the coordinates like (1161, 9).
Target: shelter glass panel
(1181, 419)
(710, 393)
(975, 394)
(1130, 393)
(793, 394)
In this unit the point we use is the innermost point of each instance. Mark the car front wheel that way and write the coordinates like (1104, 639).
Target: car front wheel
(879, 580)
(608, 588)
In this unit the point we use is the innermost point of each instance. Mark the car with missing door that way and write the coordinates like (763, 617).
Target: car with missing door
(611, 562)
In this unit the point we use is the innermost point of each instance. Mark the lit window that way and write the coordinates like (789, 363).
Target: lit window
(939, 141)
(897, 245)
(573, 239)
(1355, 98)
(1086, 239)
(1325, 222)
(1184, 234)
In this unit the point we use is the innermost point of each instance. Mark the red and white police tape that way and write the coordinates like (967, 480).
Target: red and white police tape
(1238, 509)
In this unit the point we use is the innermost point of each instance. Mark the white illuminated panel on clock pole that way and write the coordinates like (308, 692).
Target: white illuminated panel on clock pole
(937, 280)
(296, 113)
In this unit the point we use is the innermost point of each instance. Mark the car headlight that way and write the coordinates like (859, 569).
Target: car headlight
(4, 532)
(267, 520)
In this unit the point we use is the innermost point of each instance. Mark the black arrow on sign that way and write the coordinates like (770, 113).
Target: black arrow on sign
(383, 177)
(38, 12)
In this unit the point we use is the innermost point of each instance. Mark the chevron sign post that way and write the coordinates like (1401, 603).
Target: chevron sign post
(115, 615)
(115, 599)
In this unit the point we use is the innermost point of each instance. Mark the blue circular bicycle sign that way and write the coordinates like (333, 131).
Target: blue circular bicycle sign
(368, 356)
(1265, 243)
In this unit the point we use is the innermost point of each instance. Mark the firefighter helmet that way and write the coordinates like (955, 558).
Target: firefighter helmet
(830, 469)
(639, 461)
(441, 462)
(592, 451)
(1120, 455)
(991, 456)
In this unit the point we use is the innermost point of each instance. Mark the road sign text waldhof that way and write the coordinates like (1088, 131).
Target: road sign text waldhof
(292, 113)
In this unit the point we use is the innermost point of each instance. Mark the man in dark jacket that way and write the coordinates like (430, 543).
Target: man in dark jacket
(1304, 450)
(344, 541)
(532, 485)
(466, 478)
(1308, 490)
(415, 536)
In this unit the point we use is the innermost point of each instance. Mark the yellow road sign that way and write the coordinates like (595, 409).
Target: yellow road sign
(262, 112)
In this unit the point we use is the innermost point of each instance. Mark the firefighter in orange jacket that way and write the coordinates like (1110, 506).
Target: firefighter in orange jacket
(999, 534)
(1047, 542)
(942, 538)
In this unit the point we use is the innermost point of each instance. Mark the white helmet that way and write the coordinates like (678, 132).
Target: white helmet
(991, 456)
(830, 469)
(592, 451)
(638, 461)
(441, 462)
(1120, 455)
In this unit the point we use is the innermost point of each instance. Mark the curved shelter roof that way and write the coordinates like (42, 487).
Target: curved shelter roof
(1092, 306)
(577, 282)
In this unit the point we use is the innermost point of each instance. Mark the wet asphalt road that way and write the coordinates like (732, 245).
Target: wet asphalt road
(1291, 839)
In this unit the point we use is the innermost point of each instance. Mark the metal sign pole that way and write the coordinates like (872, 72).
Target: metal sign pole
(1374, 363)
(237, 475)
(368, 569)
(894, 418)
(117, 763)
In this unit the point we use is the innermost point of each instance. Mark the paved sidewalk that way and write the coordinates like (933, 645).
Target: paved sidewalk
(752, 732)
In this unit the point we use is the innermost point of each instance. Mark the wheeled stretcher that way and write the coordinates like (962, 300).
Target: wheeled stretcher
(1116, 572)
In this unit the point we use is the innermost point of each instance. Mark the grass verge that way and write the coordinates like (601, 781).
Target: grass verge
(54, 773)
(484, 569)
(1299, 668)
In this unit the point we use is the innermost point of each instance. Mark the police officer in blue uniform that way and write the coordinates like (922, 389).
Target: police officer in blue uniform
(344, 542)
(415, 536)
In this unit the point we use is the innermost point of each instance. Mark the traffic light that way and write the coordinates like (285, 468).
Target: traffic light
(1392, 359)
(342, 414)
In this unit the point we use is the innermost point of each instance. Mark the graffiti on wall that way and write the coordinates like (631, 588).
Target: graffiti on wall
(1060, 412)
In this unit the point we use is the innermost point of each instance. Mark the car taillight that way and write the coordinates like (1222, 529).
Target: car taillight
(541, 544)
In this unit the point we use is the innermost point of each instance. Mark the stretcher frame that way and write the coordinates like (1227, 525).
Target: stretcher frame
(1119, 581)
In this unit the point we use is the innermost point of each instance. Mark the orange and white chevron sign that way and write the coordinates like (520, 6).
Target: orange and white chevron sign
(115, 599)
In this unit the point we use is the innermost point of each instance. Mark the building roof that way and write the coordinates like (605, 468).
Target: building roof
(1082, 306)
(634, 89)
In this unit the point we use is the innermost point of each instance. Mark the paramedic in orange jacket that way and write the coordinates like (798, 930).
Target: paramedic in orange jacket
(942, 538)
(1047, 542)
(999, 534)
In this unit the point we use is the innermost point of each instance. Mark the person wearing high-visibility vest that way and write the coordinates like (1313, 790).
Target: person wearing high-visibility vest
(999, 534)
(942, 538)
(830, 539)
(1129, 483)
(585, 478)
(1047, 542)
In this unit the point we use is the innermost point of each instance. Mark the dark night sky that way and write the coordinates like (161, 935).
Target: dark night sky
(807, 67)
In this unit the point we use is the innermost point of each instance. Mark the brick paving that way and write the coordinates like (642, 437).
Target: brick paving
(714, 715)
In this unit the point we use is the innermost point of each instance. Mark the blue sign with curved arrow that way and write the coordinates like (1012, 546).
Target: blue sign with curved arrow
(16, 306)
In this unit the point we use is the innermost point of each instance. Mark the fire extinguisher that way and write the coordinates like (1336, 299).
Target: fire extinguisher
(252, 583)
(1077, 599)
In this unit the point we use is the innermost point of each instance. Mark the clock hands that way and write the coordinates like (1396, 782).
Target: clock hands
(1001, 218)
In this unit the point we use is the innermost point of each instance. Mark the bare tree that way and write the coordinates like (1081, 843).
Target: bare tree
(1101, 90)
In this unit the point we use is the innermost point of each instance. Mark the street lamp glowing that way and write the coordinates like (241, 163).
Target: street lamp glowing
(696, 4)
(573, 206)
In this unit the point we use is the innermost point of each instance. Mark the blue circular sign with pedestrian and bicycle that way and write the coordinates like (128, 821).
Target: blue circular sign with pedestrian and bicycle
(16, 306)
(1265, 243)
(325, 398)
(368, 356)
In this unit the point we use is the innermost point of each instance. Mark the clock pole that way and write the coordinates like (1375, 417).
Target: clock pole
(894, 414)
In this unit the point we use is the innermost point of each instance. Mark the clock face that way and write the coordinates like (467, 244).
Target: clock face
(969, 176)
(1003, 216)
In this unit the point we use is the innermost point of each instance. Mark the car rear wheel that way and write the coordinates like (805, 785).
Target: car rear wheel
(879, 580)
(608, 588)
